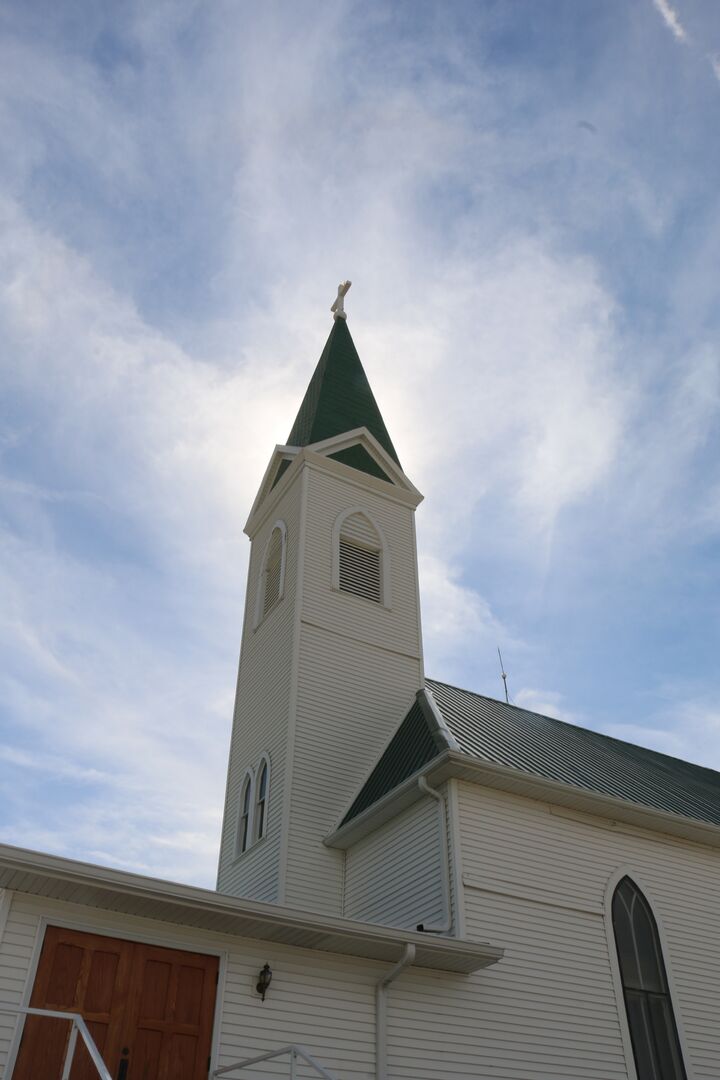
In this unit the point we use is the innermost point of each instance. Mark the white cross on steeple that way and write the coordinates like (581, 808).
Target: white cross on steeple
(338, 307)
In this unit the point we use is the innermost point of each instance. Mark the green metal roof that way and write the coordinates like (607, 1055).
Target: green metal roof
(413, 745)
(492, 731)
(357, 457)
(339, 397)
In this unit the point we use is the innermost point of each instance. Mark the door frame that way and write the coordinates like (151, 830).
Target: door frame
(161, 939)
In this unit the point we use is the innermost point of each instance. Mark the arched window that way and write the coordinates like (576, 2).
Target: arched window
(272, 575)
(361, 564)
(244, 820)
(655, 1042)
(261, 795)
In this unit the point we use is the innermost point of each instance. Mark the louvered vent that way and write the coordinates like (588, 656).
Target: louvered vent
(359, 570)
(273, 568)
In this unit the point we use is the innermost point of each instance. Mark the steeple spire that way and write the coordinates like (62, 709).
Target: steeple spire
(339, 397)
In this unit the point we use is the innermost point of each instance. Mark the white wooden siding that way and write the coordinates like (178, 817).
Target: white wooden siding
(261, 717)
(322, 1001)
(535, 878)
(394, 875)
(359, 666)
(395, 629)
(345, 715)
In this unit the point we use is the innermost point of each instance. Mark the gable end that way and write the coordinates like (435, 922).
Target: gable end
(415, 743)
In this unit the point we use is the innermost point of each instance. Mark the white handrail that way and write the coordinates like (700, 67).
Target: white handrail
(78, 1027)
(294, 1050)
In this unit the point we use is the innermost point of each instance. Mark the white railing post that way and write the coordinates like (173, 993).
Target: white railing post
(70, 1053)
(297, 1053)
(78, 1027)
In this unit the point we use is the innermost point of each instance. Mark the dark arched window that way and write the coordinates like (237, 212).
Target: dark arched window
(243, 837)
(260, 823)
(653, 1030)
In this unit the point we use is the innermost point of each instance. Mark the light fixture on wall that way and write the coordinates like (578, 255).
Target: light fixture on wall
(264, 980)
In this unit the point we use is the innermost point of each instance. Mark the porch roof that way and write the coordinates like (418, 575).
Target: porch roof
(57, 878)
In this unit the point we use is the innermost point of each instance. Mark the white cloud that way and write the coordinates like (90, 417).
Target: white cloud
(688, 729)
(671, 19)
(545, 702)
(496, 352)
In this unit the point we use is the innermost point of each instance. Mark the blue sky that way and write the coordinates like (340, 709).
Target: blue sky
(526, 198)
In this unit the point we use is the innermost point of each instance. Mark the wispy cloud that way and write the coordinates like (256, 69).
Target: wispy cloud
(174, 221)
(671, 19)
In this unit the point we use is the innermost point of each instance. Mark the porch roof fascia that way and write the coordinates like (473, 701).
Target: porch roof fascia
(53, 877)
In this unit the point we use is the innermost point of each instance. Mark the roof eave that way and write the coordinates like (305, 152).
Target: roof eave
(53, 877)
(268, 496)
(280, 453)
(454, 765)
(559, 793)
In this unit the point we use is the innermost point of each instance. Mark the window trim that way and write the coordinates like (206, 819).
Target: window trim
(637, 880)
(261, 615)
(263, 763)
(385, 575)
(250, 782)
(244, 838)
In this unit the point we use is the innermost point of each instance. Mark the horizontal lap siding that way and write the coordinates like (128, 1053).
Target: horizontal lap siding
(536, 874)
(350, 699)
(396, 629)
(394, 876)
(443, 1027)
(16, 948)
(261, 715)
(321, 1001)
(358, 671)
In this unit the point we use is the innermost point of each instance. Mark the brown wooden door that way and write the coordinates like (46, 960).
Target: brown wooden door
(149, 1009)
(172, 1004)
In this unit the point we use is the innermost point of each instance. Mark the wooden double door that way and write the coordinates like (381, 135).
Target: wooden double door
(149, 1009)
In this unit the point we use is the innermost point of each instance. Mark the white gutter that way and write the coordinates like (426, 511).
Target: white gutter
(55, 878)
(445, 926)
(381, 1011)
(450, 764)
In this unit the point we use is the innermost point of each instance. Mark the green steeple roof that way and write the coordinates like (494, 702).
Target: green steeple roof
(339, 397)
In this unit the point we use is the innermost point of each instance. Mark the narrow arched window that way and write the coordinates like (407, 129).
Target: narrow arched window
(272, 575)
(243, 837)
(360, 558)
(260, 814)
(653, 1031)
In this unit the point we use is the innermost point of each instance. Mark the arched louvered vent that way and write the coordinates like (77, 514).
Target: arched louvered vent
(271, 583)
(359, 559)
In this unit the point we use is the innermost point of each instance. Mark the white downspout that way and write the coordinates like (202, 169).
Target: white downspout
(381, 1011)
(446, 925)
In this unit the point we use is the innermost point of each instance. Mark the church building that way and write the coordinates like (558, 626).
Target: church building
(415, 882)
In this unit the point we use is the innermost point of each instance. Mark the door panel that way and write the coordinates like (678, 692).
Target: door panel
(84, 973)
(149, 1009)
(174, 1012)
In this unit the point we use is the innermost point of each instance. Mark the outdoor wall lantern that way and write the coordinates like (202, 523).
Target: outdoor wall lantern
(264, 980)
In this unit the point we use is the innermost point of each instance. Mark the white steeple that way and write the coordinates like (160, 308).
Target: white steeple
(331, 651)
